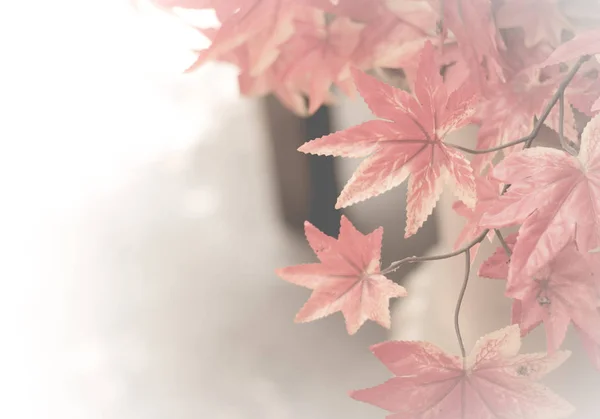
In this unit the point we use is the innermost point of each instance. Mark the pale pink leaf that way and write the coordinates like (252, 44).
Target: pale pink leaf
(542, 20)
(556, 196)
(586, 43)
(348, 279)
(411, 143)
(495, 381)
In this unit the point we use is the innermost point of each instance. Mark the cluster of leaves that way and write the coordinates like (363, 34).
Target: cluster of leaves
(510, 67)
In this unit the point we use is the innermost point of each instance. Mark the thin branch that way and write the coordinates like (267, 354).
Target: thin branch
(503, 243)
(412, 259)
(488, 150)
(561, 90)
(528, 140)
(565, 144)
(461, 296)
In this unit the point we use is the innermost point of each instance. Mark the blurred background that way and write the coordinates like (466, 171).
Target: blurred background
(144, 214)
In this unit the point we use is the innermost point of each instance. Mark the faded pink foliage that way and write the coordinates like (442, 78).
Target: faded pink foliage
(347, 279)
(494, 381)
(564, 292)
(586, 43)
(408, 143)
(541, 20)
(509, 113)
(556, 198)
(323, 51)
(495, 64)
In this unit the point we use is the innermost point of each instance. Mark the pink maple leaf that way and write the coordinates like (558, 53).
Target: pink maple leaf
(496, 266)
(348, 279)
(394, 38)
(585, 43)
(508, 113)
(481, 53)
(357, 10)
(488, 189)
(561, 293)
(541, 20)
(261, 25)
(408, 143)
(556, 198)
(322, 52)
(272, 81)
(494, 381)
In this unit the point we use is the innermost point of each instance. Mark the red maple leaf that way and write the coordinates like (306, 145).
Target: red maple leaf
(494, 381)
(348, 279)
(541, 20)
(408, 143)
(555, 196)
(562, 292)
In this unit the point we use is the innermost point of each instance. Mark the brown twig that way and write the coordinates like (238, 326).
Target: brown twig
(503, 242)
(565, 144)
(412, 259)
(461, 297)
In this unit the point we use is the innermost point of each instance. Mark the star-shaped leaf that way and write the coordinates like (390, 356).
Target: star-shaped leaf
(407, 143)
(348, 279)
(561, 293)
(493, 382)
(555, 196)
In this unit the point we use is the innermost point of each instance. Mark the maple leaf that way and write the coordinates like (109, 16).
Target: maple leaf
(272, 81)
(494, 381)
(357, 10)
(322, 50)
(562, 292)
(585, 43)
(555, 196)
(481, 53)
(261, 25)
(488, 190)
(542, 20)
(496, 266)
(508, 113)
(408, 143)
(395, 38)
(348, 279)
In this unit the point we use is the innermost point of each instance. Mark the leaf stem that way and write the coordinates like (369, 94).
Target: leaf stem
(565, 144)
(488, 150)
(461, 297)
(503, 242)
(412, 259)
